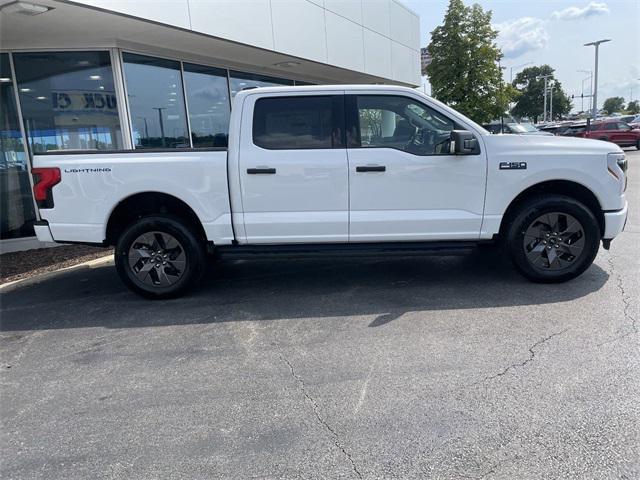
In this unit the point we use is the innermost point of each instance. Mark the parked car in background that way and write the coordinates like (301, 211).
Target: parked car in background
(612, 130)
(555, 128)
(627, 118)
(577, 129)
(514, 128)
(635, 123)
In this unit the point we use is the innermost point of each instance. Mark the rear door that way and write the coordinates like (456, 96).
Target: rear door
(405, 185)
(293, 169)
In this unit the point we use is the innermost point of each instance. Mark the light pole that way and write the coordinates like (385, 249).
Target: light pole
(544, 109)
(551, 102)
(160, 109)
(590, 78)
(594, 111)
(517, 66)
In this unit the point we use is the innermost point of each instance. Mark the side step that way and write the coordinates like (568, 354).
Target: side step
(306, 250)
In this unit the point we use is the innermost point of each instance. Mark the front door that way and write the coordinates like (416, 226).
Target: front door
(293, 169)
(405, 185)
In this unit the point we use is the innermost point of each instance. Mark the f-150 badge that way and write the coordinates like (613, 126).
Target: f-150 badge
(513, 165)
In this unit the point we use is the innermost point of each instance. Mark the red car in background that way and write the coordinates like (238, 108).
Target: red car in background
(615, 131)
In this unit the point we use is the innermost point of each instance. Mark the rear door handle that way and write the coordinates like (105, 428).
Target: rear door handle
(261, 170)
(371, 168)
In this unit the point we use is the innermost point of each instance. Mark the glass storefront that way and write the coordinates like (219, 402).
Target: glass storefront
(208, 102)
(239, 81)
(17, 212)
(156, 102)
(68, 101)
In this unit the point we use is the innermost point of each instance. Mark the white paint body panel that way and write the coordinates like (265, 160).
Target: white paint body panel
(317, 196)
(306, 201)
(84, 200)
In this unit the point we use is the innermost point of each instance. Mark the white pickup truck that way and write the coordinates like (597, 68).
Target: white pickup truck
(327, 169)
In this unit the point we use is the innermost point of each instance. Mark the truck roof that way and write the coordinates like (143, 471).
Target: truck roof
(324, 88)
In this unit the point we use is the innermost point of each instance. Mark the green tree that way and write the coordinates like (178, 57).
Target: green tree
(530, 85)
(633, 107)
(613, 104)
(464, 71)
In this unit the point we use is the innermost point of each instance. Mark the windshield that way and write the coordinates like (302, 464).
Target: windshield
(522, 127)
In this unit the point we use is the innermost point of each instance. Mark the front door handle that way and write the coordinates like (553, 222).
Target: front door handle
(261, 170)
(371, 168)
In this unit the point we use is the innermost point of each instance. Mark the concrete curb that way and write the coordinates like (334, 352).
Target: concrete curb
(43, 276)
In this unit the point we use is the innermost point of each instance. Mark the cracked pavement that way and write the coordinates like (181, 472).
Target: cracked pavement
(442, 368)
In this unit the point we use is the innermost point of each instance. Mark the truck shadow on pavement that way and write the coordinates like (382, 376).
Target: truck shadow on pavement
(284, 289)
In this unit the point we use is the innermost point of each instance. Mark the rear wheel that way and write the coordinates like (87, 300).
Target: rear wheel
(553, 239)
(159, 256)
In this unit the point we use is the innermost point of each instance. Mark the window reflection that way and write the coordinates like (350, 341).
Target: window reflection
(68, 100)
(208, 101)
(156, 102)
(241, 81)
(16, 206)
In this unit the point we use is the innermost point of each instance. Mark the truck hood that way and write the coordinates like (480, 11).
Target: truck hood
(548, 144)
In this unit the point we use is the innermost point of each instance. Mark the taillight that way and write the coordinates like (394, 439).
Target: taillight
(43, 181)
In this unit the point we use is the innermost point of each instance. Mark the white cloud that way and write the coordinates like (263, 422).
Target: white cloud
(577, 13)
(521, 35)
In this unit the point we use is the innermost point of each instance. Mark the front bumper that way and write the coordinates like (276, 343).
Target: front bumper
(614, 222)
(42, 231)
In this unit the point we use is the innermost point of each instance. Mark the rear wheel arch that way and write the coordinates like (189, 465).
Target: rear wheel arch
(567, 188)
(145, 204)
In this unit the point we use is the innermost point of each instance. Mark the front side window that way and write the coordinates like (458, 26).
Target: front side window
(208, 102)
(156, 102)
(16, 205)
(240, 81)
(401, 123)
(283, 123)
(68, 100)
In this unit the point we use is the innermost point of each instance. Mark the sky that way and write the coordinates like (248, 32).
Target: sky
(554, 32)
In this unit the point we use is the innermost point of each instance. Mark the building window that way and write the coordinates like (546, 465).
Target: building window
(241, 81)
(284, 123)
(208, 104)
(68, 100)
(156, 102)
(16, 205)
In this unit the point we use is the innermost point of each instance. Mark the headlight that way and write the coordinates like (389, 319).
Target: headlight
(617, 166)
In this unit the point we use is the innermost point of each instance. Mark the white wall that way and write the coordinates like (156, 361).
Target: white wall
(377, 37)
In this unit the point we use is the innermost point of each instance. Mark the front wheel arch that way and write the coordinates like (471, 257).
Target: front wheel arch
(567, 188)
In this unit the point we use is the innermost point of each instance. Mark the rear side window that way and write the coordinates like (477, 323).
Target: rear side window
(295, 123)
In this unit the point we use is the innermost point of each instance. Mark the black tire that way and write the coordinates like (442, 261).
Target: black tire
(638, 145)
(188, 262)
(533, 257)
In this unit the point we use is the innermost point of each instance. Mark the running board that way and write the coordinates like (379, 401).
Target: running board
(302, 250)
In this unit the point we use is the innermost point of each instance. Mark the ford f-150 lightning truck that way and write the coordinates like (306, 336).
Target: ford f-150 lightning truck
(327, 169)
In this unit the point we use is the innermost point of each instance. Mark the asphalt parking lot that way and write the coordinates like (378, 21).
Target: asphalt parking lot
(345, 368)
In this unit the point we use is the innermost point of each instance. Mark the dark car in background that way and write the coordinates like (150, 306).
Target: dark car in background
(555, 128)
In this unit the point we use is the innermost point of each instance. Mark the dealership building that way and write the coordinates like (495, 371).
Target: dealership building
(123, 75)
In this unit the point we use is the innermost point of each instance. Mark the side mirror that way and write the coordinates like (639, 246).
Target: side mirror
(464, 142)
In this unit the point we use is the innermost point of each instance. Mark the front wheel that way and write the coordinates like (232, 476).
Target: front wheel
(553, 239)
(159, 256)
